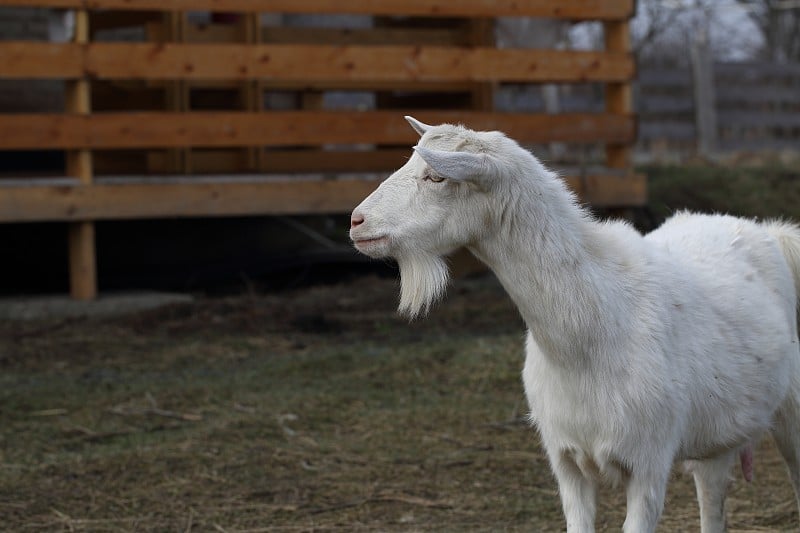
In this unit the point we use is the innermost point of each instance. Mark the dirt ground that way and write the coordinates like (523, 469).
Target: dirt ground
(311, 410)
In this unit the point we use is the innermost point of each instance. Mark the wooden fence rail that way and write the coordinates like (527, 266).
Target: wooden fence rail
(181, 124)
(756, 107)
(288, 128)
(122, 197)
(323, 63)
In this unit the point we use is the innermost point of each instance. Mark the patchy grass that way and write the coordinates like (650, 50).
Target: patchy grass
(311, 410)
(315, 409)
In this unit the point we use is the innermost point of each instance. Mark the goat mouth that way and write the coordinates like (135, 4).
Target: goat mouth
(362, 243)
(373, 240)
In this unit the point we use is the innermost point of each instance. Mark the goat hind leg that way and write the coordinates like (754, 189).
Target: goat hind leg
(786, 432)
(711, 479)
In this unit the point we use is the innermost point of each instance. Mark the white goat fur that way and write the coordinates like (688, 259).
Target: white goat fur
(641, 350)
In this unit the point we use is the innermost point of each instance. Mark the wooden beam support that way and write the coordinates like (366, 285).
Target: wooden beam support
(618, 93)
(252, 91)
(82, 260)
(565, 9)
(291, 128)
(177, 91)
(308, 63)
(481, 33)
(81, 239)
(190, 197)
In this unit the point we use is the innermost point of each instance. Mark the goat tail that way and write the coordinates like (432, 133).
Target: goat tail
(788, 236)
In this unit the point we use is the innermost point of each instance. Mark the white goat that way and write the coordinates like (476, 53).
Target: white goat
(641, 350)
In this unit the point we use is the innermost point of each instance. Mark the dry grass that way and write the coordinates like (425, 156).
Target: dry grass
(313, 410)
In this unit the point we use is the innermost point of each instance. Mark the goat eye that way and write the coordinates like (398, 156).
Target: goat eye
(433, 178)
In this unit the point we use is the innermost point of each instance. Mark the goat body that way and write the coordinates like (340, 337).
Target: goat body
(641, 350)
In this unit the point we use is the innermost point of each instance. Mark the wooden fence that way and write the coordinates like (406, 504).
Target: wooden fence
(730, 107)
(178, 124)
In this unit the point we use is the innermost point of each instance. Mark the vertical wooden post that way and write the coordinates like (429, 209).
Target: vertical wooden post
(704, 99)
(481, 98)
(177, 97)
(253, 90)
(618, 94)
(481, 33)
(82, 252)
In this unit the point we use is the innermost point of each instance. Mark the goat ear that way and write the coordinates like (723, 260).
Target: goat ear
(418, 126)
(460, 166)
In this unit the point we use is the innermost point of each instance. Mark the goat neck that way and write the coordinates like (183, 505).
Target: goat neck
(559, 266)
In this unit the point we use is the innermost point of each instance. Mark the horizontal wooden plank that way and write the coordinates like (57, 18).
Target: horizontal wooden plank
(567, 9)
(155, 200)
(308, 63)
(289, 128)
(33, 60)
(229, 197)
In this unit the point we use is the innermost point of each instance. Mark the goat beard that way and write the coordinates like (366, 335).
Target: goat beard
(423, 279)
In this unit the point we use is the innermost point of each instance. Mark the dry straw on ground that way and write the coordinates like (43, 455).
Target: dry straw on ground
(312, 410)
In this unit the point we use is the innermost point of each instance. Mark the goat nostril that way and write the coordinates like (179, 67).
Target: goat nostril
(356, 220)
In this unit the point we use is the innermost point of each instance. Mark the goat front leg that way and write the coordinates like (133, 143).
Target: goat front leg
(711, 478)
(578, 494)
(645, 491)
